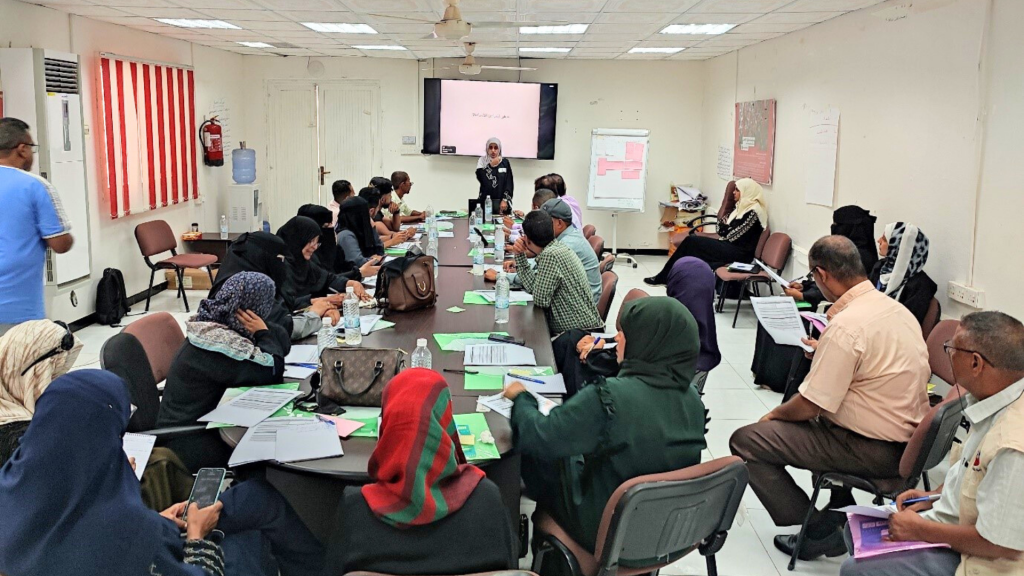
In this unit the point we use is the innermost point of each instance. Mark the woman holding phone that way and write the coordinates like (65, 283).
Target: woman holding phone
(494, 172)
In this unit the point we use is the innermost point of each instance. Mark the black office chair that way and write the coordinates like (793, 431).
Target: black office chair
(124, 355)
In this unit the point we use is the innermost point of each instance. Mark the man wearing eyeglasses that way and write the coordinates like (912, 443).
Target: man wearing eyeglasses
(979, 513)
(856, 410)
(32, 219)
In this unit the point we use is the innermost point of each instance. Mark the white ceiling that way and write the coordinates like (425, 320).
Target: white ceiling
(616, 26)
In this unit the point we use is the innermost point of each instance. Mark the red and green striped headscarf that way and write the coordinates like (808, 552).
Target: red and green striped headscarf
(419, 471)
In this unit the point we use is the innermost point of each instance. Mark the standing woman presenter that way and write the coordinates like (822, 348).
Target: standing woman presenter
(495, 176)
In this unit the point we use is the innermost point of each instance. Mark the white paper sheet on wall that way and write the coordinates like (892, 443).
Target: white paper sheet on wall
(725, 162)
(820, 162)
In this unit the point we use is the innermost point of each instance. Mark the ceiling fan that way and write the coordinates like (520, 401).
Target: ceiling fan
(453, 27)
(469, 67)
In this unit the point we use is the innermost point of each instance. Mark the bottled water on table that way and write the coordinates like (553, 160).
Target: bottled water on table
(479, 214)
(432, 252)
(325, 338)
(501, 299)
(223, 227)
(353, 333)
(499, 244)
(478, 255)
(488, 211)
(421, 355)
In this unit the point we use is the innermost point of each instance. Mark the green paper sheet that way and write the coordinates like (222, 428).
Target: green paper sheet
(395, 251)
(367, 415)
(803, 305)
(455, 342)
(454, 213)
(493, 377)
(286, 411)
(477, 424)
(455, 309)
(476, 298)
(472, 251)
(445, 225)
(487, 227)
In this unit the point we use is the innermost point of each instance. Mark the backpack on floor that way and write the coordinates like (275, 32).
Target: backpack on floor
(111, 298)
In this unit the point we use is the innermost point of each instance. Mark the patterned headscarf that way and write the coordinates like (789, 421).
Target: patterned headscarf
(419, 472)
(21, 346)
(243, 291)
(907, 255)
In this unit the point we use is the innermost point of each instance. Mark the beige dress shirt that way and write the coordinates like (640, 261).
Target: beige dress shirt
(870, 372)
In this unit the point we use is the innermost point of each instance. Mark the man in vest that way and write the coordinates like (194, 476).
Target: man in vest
(979, 513)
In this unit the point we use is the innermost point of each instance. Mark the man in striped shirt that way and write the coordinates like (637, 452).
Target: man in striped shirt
(31, 221)
(559, 282)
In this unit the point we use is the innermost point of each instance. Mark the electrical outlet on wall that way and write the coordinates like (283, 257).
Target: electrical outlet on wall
(969, 295)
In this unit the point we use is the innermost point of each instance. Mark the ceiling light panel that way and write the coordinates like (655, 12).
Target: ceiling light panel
(255, 44)
(544, 50)
(339, 27)
(391, 47)
(698, 29)
(656, 50)
(563, 29)
(195, 23)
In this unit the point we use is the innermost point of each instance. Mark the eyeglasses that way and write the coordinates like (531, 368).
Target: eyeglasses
(948, 348)
(67, 342)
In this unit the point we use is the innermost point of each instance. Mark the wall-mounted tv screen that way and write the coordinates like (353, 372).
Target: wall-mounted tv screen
(459, 116)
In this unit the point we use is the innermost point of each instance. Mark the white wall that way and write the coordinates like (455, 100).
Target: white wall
(909, 92)
(218, 75)
(664, 97)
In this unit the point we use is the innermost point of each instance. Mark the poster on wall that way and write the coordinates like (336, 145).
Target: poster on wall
(754, 143)
(820, 162)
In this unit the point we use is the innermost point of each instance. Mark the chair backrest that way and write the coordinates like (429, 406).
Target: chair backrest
(606, 264)
(937, 357)
(932, 438)
(589, 230)
(124, 355)
(609, 280)
(161, 337)
(597, 243)
(776, 250)
(155, 237)
(633, 294)
(931, 318)
(651, 521)
(759, 251)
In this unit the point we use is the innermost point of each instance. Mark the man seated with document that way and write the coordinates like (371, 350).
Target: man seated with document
(856, 410)
(978, 512)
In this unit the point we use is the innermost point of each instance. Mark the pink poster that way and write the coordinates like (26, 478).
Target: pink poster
(630, 174)
(754, 144)
(634, 151)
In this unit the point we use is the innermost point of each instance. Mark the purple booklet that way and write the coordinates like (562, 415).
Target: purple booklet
(871, 537)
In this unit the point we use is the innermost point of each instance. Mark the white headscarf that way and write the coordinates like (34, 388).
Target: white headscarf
(751, 200)
(486, 159)
(907, 255)
(21, 346)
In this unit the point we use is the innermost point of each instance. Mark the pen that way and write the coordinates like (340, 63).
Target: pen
(929, 498)
(596, 342)
(528, 379)
(481, 234)
(303, 364)
(457, 371)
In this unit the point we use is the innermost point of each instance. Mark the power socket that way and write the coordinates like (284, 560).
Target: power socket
(969, 295)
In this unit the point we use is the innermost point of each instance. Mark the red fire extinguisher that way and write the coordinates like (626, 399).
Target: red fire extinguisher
(210, 139)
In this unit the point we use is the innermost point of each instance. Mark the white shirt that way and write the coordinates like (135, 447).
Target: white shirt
(1001, 492)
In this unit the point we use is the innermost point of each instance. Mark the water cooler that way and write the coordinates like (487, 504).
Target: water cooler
(245, 208)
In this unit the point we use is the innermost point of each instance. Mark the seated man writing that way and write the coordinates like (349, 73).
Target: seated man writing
(980, 512)
(559, 283)
(856, 410)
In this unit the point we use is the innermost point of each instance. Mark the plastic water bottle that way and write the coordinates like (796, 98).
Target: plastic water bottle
(499, 244)
(432, 252)
(488, 211)
(325, 338)
(353, 332)
(501, 299)
(421, 355)
(479, 213)
(478, 256)
(223, 227)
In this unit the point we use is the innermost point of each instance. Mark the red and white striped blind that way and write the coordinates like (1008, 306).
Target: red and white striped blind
(149, 126)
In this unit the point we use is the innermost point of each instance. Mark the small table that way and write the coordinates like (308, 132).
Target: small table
(212, 243)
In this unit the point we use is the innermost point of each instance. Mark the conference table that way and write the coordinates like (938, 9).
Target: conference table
(314, 487)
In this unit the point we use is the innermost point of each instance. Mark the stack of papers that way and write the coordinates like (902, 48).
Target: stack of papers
(140, 447)
(513, 296)
(499, 355)
(317, 440)
(287, 411)
(476, 298)
(260, 442)
(458, 341)
(503, 406)
(251, 407)
(493, 377)
(779, 317)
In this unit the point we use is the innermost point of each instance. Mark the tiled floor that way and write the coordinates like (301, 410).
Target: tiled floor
(732, 398)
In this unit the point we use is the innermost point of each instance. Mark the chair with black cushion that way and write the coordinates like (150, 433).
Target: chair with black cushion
(652, 521)
(156, 237)
(927, 448)
(161, 337)
(931, 318)
(124, 355)
(773, 249)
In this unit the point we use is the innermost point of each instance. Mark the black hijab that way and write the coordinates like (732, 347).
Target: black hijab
(327, 253)
(305, 277)
(354, 215)
(858, 225)
(264, 253)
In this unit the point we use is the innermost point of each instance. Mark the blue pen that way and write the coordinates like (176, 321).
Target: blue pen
(929, 498)
(596, 341)
(534, 380)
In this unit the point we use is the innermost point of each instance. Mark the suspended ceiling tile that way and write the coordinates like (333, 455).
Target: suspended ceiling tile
(162, 12)
(659, 18)
(314, 16)
(487, 6)
(242, 15)
(399, 18)
(89, 10)
(670, 41)
(796, 17)
(739, 6)
(567, 6)
(606, 45)
(755, 28)
(385, 6)
(714, 18)
(313, 5)
(636, 29)
(214, 4)
(271, 26)
(677, 6)
(559, 17)
(127, 3)
(828, 5)
(614, 37)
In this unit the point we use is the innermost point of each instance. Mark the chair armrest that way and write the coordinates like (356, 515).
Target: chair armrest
(699, 221)
(713, 544)
(172, 432)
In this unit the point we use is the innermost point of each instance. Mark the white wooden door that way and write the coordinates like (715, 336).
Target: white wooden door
(350, 145)
(292, 149)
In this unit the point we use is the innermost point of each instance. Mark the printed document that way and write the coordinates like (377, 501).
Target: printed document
(140, 447)
(499, 355)
(780, 318)
(251, 407)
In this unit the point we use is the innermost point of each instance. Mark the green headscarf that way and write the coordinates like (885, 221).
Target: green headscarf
(662, 342)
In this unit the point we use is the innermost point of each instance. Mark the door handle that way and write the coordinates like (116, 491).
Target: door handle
(322, 174)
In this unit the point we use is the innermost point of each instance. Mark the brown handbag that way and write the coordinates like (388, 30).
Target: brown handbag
(357, 376)
(407, 283)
